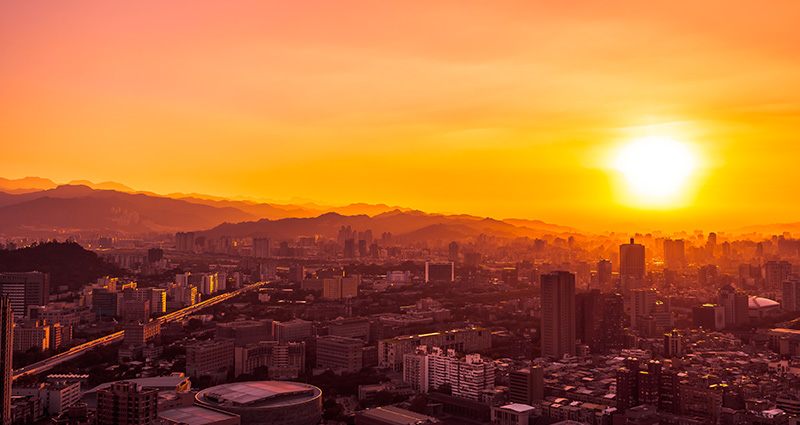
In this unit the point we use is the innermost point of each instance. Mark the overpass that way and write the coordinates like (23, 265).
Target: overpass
(79, 350)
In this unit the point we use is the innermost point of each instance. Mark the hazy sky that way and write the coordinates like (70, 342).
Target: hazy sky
(503, 109)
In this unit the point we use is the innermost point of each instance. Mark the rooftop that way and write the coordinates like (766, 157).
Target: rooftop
(258, 393)
(195, 415)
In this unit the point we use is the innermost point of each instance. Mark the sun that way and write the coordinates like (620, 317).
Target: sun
(656, 167)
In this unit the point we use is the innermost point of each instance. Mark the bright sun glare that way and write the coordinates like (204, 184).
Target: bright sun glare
(656, 167)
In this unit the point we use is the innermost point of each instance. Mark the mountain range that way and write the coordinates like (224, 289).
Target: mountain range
(35, 205)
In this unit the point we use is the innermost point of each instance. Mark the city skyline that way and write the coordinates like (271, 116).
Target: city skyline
(518, 110)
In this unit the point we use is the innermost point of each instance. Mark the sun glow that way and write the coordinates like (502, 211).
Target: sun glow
(657, 168)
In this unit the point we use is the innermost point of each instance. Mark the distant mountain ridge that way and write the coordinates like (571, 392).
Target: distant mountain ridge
(115, 208)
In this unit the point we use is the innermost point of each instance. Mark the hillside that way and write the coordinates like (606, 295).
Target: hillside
(68, 263)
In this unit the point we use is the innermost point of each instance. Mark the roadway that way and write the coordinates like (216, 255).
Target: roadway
(79, 350)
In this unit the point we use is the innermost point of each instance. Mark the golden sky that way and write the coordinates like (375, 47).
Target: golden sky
(503, 109)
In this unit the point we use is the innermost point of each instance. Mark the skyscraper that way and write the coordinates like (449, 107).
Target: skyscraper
(6, 350)
(25, 289)
(631, 265)
(674, 253)
(453, 252)
(558, 314)
(604, 274)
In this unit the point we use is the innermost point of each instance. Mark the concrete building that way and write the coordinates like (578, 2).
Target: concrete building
(558, 314)
(125, 403)
(340, 354)
(467, 377)
(266, 402)
(245, 332)
(526, 386)
(283, 360)
(293, 330)
(25, 289)
(513, 414)
(56, 397)
(337, 288)
(392, 351)
(709, 316)
(214, 358)
(31, 334)
(443, 271)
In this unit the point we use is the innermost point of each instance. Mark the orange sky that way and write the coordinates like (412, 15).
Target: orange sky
(504, 109)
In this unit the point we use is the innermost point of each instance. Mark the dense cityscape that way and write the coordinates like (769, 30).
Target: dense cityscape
(359, 212)
(378, 328)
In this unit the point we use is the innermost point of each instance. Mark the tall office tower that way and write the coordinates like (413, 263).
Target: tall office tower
(791, 294)
(6, 350)
(526, 386)
(25, 289)
(643, 303)
(612, 331)
(588, 317)
(184, 241)
(627, 388)
(261, 247)
(673, 345)
(453, 252)
(349, 248)
(558, 314)
(368, 238)
(604, 274)
(674, 253)
(711, 244)
(125, 403)
(776, 272)
(735, 304)
(631, 265)
(362, 248)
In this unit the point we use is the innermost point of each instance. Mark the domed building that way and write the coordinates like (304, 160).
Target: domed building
(266, 402)
(763, 307)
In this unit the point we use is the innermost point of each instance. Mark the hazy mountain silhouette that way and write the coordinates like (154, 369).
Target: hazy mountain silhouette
(116, 208)
(406, 225)
(82, 208)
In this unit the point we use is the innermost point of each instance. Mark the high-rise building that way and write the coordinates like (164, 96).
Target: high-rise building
(604, 273)
(25, 289)
(558, 314)
(674, 253)
(453, 252)
(467, 377)
(735, 304)
(631, 265)
(526, 386)
(775, 272)
(261, 248)
(349, 248)
(184, 241)
(126, 403)
(643, 303)
(791, 294)
(6, 351)
(673, 345)
(439, 271)
(709, 316)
